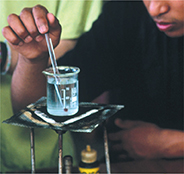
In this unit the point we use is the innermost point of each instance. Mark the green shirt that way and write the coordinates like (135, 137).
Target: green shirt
(75, 17)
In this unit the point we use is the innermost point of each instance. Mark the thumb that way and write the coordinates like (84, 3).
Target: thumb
(53, 22)
(54, 26)
(126, 124)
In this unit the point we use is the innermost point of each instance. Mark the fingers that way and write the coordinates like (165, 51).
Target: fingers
(28, 21)
(55, 28)
(124, 124)
(11, 36)
(16, 31)
(119, 152)
(117, 147)
(32, 23)
(53, 22)
(127, 124)
(40, 17)
(115, 136)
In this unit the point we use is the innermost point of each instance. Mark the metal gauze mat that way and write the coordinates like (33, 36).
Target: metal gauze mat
(90, 116)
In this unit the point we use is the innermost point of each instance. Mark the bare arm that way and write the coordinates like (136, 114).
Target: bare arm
(64, 46)
(173, 142)
(25, 34)
(39, 81)
(139, 139)
(28, 82)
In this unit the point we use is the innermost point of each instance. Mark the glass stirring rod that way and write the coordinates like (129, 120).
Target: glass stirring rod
(54, 65)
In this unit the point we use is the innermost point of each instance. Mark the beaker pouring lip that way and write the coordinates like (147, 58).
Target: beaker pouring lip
(64, 71)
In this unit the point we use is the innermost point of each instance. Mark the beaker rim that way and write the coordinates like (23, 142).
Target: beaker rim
(68, 72)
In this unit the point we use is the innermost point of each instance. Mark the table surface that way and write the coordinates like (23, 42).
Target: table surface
(138, 166)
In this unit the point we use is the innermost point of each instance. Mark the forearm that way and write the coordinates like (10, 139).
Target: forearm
(64, 46)
(28, 82)
(27, 37)
(172, 143)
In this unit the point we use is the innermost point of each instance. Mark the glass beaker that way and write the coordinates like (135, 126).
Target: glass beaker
(62, 91)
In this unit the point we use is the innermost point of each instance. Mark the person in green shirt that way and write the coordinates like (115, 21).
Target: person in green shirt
(15, 141)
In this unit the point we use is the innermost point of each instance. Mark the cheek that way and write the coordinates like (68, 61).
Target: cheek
(178, 7)
(146, 3)
(181, 15)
